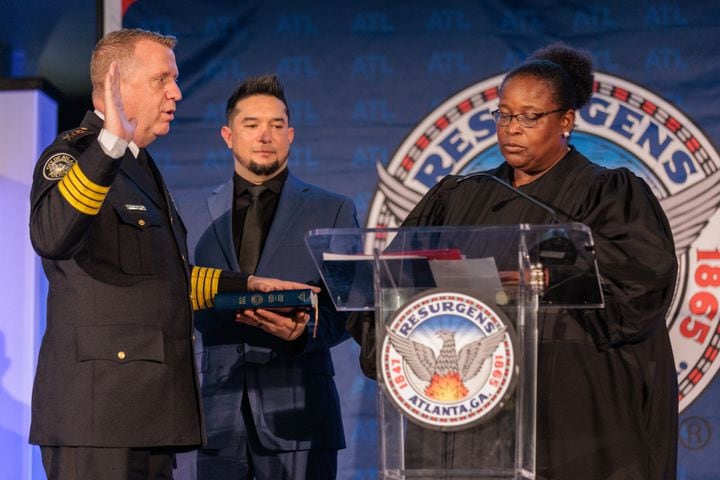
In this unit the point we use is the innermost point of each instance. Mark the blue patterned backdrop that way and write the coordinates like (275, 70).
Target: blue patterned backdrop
(361, 75)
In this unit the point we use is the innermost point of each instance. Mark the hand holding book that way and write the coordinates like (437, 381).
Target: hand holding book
(283, 313)
(287, 323)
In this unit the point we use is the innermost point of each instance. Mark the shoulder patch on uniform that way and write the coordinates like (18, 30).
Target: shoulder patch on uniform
(75, 134)
(57, 166)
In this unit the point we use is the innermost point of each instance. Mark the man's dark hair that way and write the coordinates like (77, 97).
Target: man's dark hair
(262, 85)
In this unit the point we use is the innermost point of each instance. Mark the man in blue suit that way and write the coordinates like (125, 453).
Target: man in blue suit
(271, 407)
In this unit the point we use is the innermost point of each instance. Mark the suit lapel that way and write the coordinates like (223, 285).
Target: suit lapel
(141, 177)
(291, 203)
(176, 225)
(220, 204)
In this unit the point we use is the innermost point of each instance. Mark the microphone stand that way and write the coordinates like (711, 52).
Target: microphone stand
(527, 197)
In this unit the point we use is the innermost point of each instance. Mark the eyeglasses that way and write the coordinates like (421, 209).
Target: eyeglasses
(524, 119)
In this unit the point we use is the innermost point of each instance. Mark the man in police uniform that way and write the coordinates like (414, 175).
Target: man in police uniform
(116, 390)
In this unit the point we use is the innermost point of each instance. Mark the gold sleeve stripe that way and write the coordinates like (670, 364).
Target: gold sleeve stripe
(78, 191)
(80, 181)
(84, 195)
(211, 286)
(204, 286)
(75, 203)
(87, 182)
(193, 288)
(199, 287)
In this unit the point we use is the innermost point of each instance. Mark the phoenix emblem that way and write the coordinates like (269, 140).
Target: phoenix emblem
(446, 372)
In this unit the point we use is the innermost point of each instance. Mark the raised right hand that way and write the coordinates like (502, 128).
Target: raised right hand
(116, 121)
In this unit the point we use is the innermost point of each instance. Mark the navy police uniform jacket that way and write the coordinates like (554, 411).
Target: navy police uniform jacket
(115, 367)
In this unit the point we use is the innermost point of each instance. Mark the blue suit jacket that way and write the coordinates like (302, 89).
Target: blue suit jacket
(290, 387)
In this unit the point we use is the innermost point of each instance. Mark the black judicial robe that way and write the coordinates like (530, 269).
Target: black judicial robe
(607, 387)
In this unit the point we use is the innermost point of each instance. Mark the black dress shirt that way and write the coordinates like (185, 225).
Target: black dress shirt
(269, 199)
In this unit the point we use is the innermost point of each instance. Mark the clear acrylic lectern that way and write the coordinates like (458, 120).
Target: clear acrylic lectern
(455, 311)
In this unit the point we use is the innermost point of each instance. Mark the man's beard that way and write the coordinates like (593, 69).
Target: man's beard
(265, 170)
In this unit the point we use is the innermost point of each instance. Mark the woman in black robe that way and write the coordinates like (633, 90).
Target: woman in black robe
(607, 387)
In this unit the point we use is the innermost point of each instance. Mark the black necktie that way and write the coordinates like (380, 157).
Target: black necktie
(155, 185)
(252, 233)
(144, 160)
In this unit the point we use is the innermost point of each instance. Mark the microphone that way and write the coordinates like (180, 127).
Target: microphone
(527, 197)
(554, 247)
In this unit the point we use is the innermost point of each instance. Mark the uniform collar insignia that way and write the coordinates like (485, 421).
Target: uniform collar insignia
(78, 132)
